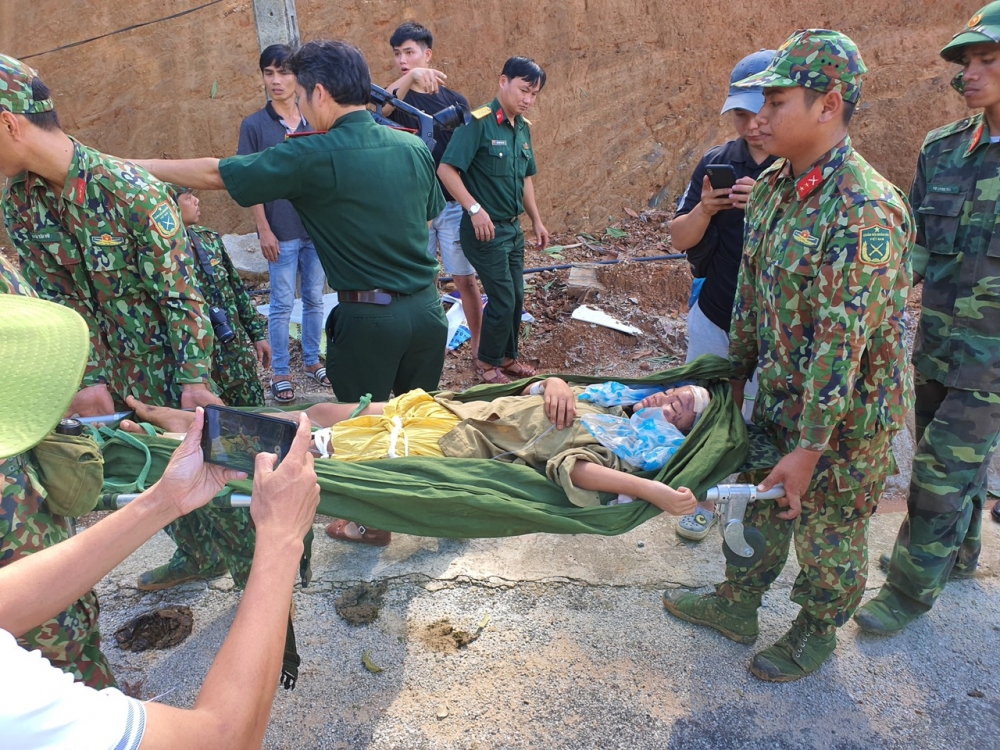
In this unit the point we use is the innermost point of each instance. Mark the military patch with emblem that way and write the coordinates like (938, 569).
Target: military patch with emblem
(803, 237)
(974, 21)
(164, 219)
(107, 240)
(873, 245)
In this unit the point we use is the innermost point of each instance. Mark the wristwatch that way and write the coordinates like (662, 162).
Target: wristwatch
(474, 209)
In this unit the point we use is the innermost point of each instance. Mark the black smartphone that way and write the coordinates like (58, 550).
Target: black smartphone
(233, 438)
(721, 175)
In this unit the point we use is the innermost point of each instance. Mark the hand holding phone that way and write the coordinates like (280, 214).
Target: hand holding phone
(721, 176)
(233, 438)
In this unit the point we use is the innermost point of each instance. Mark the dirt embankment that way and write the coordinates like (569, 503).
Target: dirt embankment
(632, 99)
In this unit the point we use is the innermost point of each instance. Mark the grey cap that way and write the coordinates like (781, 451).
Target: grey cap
(751, 99)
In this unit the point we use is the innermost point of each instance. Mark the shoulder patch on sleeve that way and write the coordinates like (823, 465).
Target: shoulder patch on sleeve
(950, 129)
(164, 219)
(480, 113)
(873, 245)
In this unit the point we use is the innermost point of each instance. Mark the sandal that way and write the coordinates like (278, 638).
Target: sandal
(319, 375)
(519, 369)
(499, 376)
(697, 525)
(373, 537)
(282, 386)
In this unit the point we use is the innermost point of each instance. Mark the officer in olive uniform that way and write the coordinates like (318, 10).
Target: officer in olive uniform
(818, 316)
(957, 354)
(488, 168)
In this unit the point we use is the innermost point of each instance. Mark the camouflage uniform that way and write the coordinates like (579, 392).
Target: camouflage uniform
(70, 640)
(234, 366)
(955, 195)
(110, 245)
(819, 312)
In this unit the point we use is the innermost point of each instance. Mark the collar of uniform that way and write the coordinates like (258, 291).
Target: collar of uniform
(829, 163)
(75, 188)
(980, 134)
(359, 115)
(500, 117)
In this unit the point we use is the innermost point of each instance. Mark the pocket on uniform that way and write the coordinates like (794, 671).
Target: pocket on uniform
(801, 267)
(941, 214)
(499, 159)
(111, 269)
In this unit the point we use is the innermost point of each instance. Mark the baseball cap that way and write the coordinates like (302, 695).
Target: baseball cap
(750, 99)
(44, 349)
(984, 26)
(817, 59)
(15, 88)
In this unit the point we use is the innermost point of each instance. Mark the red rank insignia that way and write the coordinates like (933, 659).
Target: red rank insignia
(499, 117)
(80, 190)
(808, 182)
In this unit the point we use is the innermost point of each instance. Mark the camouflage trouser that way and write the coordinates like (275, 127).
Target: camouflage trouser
(234, 371)
(210, 534)
(71, 640)
(957, 434)
(831, 544)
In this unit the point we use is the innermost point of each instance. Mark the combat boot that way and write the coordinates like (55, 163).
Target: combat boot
(170, 575)
(735, 620)
(799, 652)
(887, 614)
(958, 572)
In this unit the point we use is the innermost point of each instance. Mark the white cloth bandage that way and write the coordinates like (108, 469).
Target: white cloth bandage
(321, 439)
(537, 389)
(701, 399)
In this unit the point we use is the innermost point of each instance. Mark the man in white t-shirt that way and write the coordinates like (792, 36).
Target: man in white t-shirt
(44, 348)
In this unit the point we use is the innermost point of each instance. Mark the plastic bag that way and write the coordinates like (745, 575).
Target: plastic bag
(614, 393)
(645, 442)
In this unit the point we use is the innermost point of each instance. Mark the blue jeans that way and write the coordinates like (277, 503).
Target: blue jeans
(297, 257)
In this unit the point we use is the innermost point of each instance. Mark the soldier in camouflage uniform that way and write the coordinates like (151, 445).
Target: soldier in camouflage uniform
(956, 357)
(822, 288)
(234, 365)
(101, 236)
(70, 640)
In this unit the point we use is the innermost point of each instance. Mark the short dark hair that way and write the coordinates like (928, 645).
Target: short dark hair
(276, 55)
(43, 120)
(338, 65)
(811, 95)
(526, 68)
(411, 31)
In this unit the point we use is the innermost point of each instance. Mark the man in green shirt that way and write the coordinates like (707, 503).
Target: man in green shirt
(365, 194)
(488, 168)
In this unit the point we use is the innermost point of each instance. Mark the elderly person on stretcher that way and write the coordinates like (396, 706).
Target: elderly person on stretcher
(586, 439)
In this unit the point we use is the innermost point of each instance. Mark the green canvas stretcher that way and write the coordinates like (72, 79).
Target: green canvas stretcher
(477, 498)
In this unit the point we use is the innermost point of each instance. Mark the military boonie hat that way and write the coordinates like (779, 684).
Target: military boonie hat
(984, 26)
(817, 59)
(15, 88)
(44, 349)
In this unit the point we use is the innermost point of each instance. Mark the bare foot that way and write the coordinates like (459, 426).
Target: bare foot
(171, 420)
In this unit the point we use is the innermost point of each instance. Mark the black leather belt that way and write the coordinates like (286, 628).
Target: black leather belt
(372, 297)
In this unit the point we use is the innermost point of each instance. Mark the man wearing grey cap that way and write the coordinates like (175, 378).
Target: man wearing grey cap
(709, 228)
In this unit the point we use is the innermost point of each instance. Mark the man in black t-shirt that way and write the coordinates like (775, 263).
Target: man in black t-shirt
(708, 226)
(423, 87)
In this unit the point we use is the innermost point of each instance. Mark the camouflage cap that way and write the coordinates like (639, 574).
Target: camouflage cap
(817, 59)
(176, 191)
(984, 26)
(15, 88)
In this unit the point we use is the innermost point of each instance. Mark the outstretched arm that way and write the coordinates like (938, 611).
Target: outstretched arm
(591, 476)
(197, 174)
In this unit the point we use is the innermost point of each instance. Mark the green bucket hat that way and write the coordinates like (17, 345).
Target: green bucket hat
(817, 59)
(15, 88)
(984, 26)
(44, 349)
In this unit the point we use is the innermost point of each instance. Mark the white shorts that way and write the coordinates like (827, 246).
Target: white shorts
(444, 236)
(704, 337)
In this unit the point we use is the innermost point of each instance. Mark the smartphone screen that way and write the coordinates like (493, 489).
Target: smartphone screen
(233, 438)
(721, 175)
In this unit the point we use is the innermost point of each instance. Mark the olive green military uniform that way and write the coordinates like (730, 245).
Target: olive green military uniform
(71, 640)
(494, 155)
(365, 193)
(234, 365)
